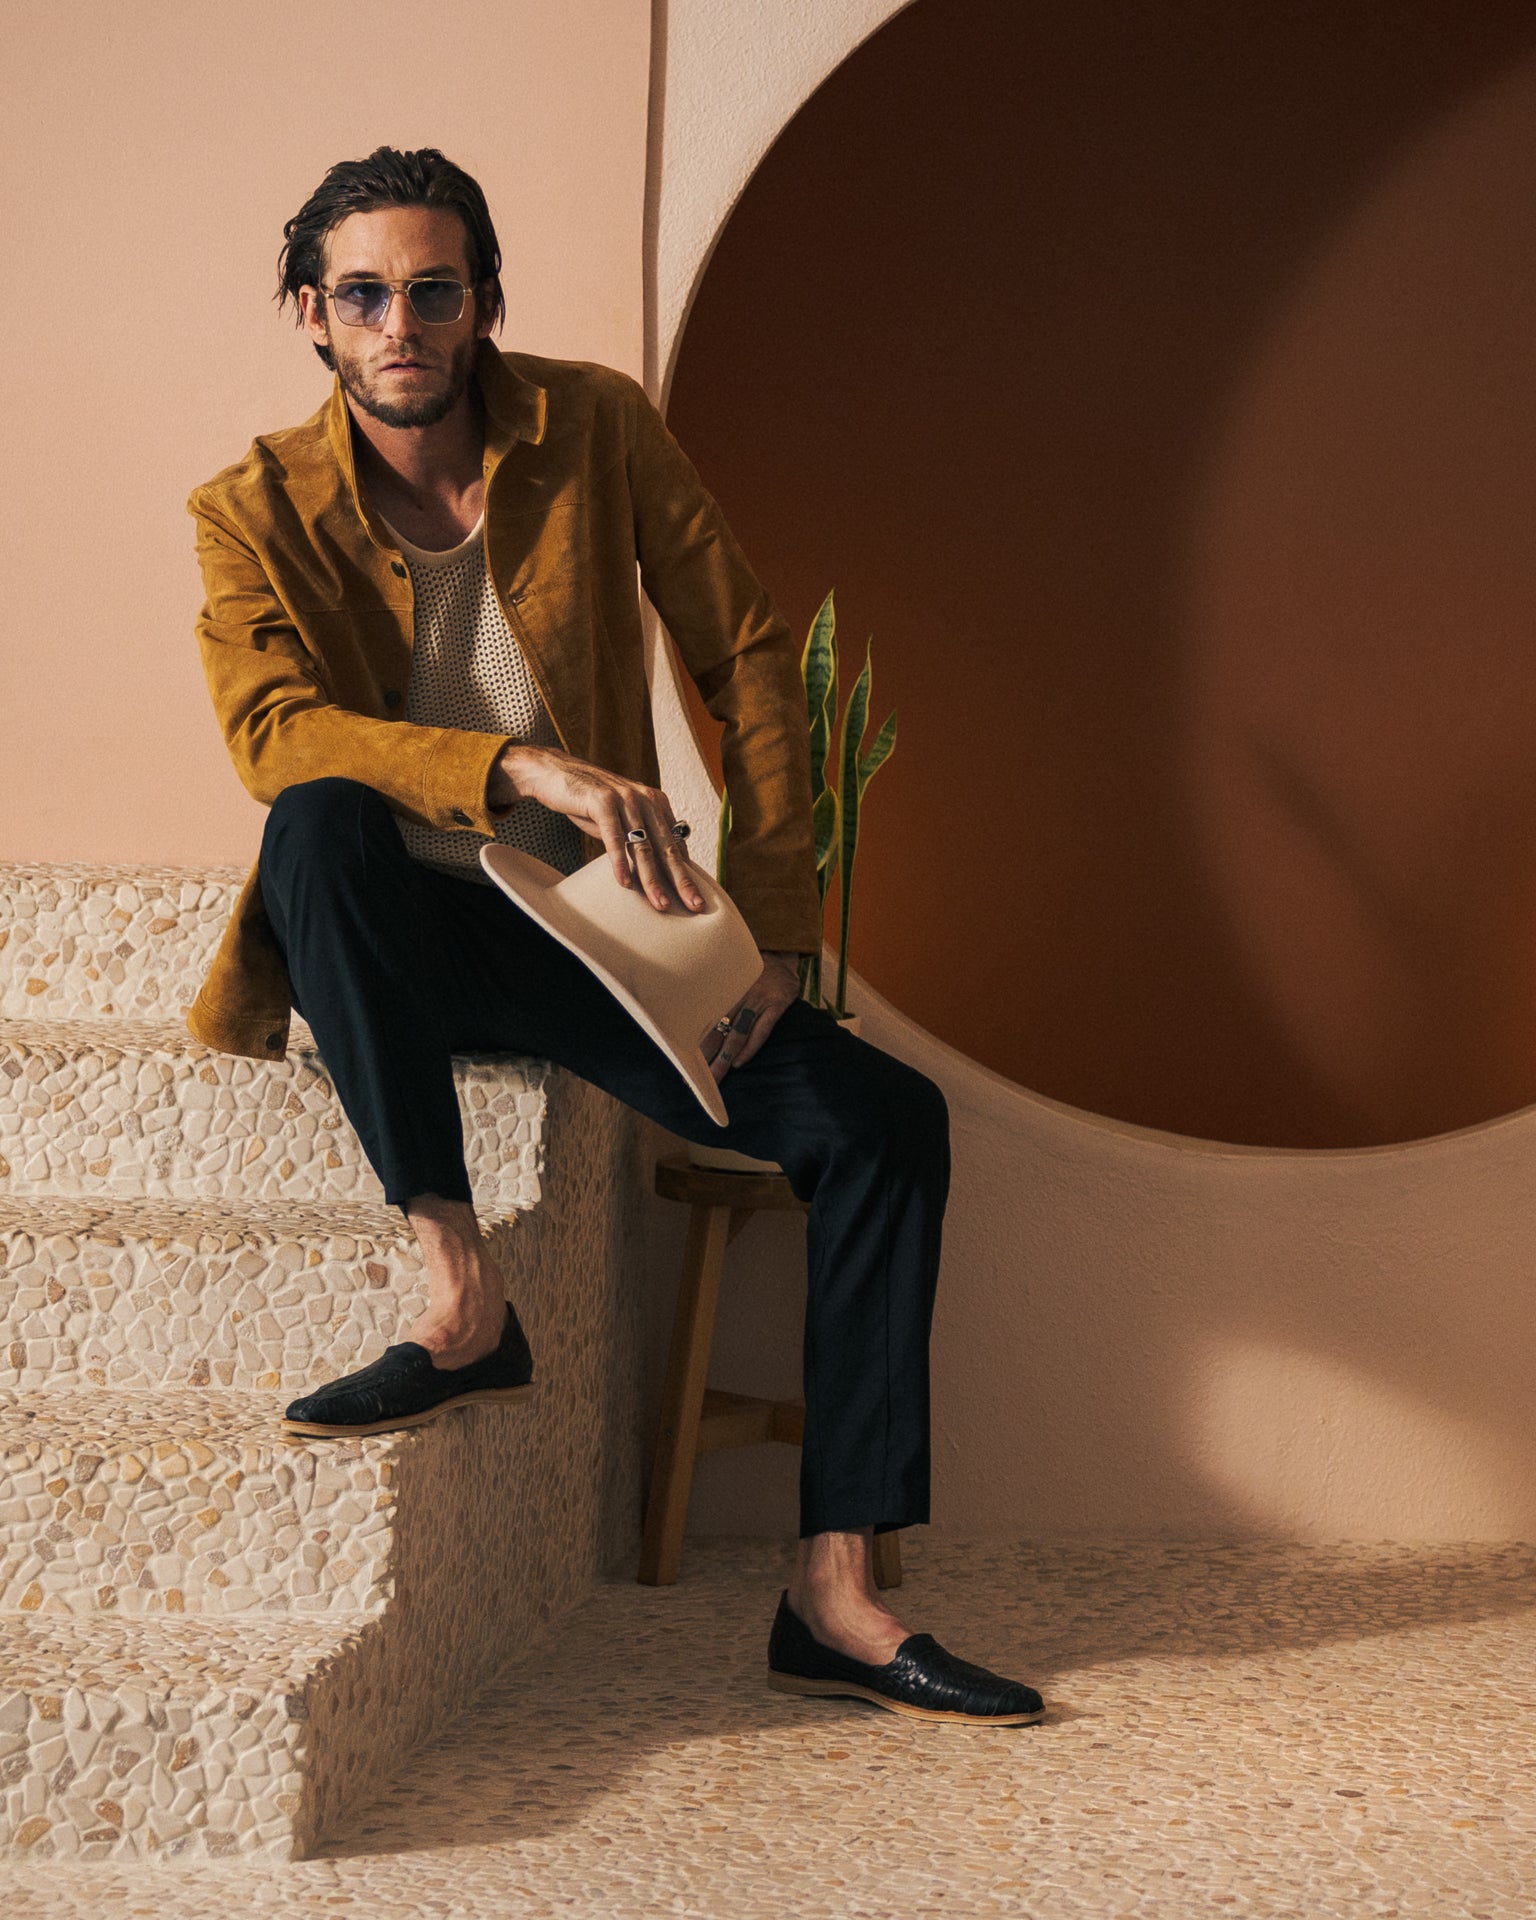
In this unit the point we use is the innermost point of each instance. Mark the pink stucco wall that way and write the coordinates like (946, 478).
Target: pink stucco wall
(154, 154)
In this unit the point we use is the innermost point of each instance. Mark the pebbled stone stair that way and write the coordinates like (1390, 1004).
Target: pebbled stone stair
(217, 1638)
(148, 1293)
(143, 1110)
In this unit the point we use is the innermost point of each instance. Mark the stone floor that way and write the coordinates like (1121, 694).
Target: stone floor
(1233, 1730)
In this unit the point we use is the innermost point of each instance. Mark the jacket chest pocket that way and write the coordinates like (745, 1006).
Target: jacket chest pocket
(364, 656)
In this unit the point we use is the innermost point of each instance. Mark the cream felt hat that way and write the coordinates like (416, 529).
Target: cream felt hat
(676, 972)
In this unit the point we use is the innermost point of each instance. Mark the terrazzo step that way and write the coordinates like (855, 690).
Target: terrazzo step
(123, 1738)
(158, 1293)
(188, 1503)
(142, 1110)
(129, 941)
(171, 1563)
(500, 1517)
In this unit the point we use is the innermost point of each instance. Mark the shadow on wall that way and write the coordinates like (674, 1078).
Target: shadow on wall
(1149, 1337)
(1156, 385)
(1142, 1336)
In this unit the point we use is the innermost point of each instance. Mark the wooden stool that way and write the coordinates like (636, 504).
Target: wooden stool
(696, 1419)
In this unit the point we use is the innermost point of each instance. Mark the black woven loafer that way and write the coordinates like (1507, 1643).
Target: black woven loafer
(920, 1679)
(402, 1388)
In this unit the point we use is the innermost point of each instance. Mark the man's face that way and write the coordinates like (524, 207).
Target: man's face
(402, 372)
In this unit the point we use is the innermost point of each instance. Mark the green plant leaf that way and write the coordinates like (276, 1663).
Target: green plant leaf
(818, 669)
(824, 821)
(816, 662)
(723, 837)
(880, 752)
(850, 792)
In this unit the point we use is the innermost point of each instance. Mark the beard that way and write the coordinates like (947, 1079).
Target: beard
(420, 409)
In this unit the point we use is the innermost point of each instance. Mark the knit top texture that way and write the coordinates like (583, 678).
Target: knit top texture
(468, 671)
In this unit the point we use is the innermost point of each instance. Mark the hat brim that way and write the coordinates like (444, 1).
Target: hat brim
(533, 885)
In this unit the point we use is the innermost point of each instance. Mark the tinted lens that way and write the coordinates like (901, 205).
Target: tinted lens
(361, 303)
(437, 302)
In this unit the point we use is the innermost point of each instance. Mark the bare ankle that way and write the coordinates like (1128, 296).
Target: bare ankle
(437, 1221)
(833, 1572)
(466, 1290)
(832, 1589)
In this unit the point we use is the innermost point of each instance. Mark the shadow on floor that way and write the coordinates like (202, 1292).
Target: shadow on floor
(639, 1672)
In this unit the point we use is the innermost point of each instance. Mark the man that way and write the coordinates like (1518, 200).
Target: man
(421, 631)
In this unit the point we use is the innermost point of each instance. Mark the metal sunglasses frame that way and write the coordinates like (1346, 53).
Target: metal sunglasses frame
(394, 287)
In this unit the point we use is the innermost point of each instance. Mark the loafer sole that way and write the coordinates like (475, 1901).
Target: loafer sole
(837, 1689)
(325, 1430)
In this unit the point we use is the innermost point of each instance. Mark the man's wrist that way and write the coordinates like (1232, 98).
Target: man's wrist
(501, 789)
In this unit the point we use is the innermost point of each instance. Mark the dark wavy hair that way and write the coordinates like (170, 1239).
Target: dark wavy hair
(388, 178)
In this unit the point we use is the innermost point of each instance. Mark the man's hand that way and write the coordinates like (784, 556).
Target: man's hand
(775, 987)
(609, 808)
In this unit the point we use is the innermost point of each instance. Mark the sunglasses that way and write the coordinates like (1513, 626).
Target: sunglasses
(364, 303)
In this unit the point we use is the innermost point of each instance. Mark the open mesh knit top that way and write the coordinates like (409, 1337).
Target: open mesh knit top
(467, 670)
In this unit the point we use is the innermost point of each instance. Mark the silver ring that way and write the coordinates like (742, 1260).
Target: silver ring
(681, 829)
(723, 1024)
(637, 836)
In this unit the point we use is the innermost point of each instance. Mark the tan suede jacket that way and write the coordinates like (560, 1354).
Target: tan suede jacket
(307, 631)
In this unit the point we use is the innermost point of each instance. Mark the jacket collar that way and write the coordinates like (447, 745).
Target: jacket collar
(515, 409)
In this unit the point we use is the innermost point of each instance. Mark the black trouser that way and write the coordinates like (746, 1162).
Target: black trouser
(396, 967)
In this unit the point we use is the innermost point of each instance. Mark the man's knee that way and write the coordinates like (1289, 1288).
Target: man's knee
(922, 1109)
(893, 1110)
(315, 818)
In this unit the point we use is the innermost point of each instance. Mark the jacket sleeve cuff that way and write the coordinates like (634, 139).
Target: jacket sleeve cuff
(454, 779)
(781, 919)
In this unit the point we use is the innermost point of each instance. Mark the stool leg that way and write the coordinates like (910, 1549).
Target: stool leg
(887, 1559)
(682, 1400)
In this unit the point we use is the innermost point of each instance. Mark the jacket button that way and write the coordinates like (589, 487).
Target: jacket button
(460, 815)
(274, 1041)
(397, 567)
(391, 696)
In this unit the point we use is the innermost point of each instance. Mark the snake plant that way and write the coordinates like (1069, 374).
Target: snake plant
(836, 803)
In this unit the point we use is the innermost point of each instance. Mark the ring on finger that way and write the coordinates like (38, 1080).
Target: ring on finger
(681, 830)
(723, 1024)
(637, 837)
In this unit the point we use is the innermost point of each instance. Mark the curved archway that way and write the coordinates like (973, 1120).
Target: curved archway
(1188, 1315)
(1062, 248)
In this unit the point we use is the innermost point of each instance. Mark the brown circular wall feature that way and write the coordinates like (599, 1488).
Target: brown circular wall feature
(1156, 385)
